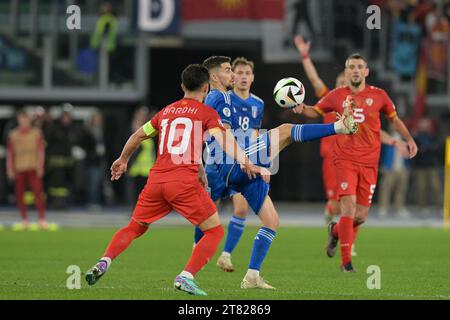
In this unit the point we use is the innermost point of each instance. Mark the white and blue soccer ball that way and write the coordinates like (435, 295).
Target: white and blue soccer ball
(289, 93)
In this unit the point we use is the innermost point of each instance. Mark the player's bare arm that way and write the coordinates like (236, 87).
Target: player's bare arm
(400, 145)
(307, 111)
(10, 160)
(399, 126)
(202, 175)
(311, 72)
(119, 167)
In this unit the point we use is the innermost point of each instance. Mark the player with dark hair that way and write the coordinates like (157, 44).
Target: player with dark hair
(356, 157)
(264, 149)
(173, 182)
(249, 115)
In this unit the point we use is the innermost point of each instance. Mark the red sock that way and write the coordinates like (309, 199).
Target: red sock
(355, 232)
(20, 187)
(36, 186)
(204, 250)
(346, 238)
(336, 230)
(122, 239)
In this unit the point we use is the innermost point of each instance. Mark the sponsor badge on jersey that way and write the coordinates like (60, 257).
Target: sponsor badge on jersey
(254, 111)
(344, 186)
(226, 112)
(369, 101)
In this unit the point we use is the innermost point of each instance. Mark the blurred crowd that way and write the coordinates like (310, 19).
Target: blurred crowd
(418, 181)
(76, 171)
(419, 32)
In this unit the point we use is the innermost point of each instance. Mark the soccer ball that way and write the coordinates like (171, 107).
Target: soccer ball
(289, 93)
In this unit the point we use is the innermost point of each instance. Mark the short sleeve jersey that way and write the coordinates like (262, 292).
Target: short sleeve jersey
(248, 117)
(249, 112)
(364, 146)
(221, 102)
(181, 126)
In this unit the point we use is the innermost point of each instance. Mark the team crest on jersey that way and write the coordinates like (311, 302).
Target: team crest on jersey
(254, 111)
(226, 112)
(344, 186)
(369, 101)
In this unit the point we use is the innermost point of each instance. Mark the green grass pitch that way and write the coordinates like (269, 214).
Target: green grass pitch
(414, 262)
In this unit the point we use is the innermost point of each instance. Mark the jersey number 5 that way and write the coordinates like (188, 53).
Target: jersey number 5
(187, 123)
(358, 115)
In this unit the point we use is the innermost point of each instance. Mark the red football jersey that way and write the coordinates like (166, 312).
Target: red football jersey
(364, 146)
(327, 143)
(181, 127)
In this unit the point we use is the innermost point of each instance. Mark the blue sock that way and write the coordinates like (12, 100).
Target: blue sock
(235, 230)
(197, 235)
(261, 246)
(309, 132)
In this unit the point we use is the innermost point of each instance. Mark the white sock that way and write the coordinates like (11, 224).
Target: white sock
(226, 254)
(187, 275)
(108, 261)
(252, 273)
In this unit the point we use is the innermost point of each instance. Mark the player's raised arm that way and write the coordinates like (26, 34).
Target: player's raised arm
(119, 167)
(399, 126)
(311, 72)
(229, 145)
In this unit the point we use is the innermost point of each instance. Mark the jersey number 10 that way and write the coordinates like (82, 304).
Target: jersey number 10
(182, 147)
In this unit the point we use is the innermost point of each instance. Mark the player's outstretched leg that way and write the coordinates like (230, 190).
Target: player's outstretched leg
(202, 253)
(120, 241)
(286, 134)
(261, 246)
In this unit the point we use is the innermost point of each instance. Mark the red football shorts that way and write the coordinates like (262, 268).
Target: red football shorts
(354, 179)
(189, 199)
(329, 178)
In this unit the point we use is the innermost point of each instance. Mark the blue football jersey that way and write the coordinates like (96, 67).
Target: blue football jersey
(221, 102)
(248, 117)
(249, 112)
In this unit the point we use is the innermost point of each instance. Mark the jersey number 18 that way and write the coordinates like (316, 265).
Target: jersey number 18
(244, 123)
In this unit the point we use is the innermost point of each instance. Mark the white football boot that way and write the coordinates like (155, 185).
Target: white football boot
(255, 283)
